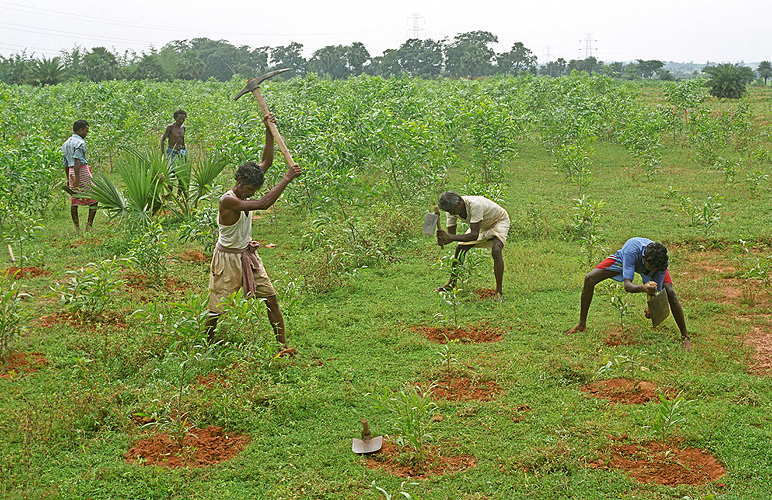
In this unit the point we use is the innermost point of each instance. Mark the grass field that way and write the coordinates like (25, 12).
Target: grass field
(66, 426)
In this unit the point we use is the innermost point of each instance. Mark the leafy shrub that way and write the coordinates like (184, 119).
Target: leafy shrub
(88, 291)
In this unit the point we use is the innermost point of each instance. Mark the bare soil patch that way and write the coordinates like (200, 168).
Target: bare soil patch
(623, 391)
(22, 362)
(760, 339)
(484, 293)
(194, 256)
(26, 272)
(467, 334)
(465, 388)
(202, 448)
(138, 282)
(619, 337)
(655, 462)
(392, 461)
(113, 318)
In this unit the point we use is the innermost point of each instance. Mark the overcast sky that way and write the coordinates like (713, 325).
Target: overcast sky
(619, 30)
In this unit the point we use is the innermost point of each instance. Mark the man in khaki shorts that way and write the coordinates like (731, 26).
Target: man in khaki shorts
(488, 228)
(235, 263)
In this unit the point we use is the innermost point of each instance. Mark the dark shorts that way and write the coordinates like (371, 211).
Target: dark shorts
(611, 264)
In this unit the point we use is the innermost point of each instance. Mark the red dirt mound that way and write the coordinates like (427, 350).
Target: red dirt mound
(26, 272)
(623, 391)
(474, 334)
(484, 293)
(193, 256)
(22, 362)
(435, 464)
(464, 389)
(204, 447)
(658, 463)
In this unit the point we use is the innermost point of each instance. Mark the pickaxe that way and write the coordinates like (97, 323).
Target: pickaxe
(253, 85)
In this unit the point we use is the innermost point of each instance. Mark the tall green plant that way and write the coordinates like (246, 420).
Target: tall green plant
(411, 411)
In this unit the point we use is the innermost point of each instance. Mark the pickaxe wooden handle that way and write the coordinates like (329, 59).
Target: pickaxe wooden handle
(253, 85)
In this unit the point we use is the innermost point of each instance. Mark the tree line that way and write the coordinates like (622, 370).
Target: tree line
(468, 55)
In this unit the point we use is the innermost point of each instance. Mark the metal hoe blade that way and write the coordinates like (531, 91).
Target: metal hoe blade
(430, 223)
(659, 309)
(367, 445)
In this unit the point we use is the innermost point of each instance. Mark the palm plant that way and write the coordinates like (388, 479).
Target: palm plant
(48, 71)
(151, 181)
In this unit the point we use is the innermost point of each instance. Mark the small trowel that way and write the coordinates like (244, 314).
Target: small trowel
(368, 443)
(659, 309)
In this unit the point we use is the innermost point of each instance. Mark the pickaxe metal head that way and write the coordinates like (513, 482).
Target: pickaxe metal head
(254, 83)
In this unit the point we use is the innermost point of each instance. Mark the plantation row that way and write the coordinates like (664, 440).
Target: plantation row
(581, 163)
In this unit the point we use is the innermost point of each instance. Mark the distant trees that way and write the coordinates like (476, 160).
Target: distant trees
(517, 61)
(765, 70)
(728, 80)
(468, 55)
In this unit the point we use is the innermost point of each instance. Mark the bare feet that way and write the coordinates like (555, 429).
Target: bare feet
(687, 344)
(499, 297)
(577, 328)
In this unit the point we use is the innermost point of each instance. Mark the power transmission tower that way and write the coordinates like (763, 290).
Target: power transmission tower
(588, 46)
(416, 30)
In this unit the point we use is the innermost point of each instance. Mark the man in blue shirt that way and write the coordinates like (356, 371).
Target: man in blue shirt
(642, 256)
(78, 172)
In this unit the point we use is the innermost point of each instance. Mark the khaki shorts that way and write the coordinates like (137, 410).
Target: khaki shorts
(226, 278)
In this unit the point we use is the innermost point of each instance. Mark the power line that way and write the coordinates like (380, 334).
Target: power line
(415, 31)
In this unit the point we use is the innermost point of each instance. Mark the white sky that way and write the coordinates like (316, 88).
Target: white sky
(618, 30)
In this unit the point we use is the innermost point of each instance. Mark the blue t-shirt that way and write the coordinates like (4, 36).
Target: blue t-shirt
(630, 256)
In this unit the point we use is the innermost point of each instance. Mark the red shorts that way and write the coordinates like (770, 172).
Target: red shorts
(611, 262)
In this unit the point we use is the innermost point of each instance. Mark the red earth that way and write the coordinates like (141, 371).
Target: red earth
(474, 334)
(655, 462)
(21, 362)
(390, 459)
(463, 388)
(194, 256)
(484, 293)
(203, 447)
(26, 272)
(624, 391)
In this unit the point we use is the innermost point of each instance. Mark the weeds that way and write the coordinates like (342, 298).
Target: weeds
(151, 250)
(389, 496)
(12, 315)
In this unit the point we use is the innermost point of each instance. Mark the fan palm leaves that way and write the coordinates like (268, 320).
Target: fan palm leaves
(153, 185)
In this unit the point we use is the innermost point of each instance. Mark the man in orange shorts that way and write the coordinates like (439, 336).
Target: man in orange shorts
(642, 256)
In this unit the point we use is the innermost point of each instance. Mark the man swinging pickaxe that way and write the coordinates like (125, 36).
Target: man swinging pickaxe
(253, 85)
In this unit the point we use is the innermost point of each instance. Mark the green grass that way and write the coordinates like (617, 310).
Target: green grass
(65, 428)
